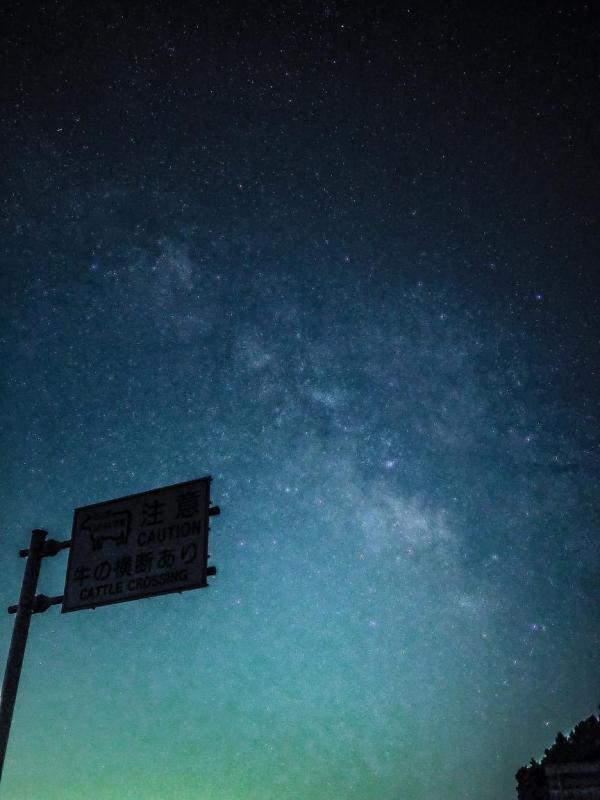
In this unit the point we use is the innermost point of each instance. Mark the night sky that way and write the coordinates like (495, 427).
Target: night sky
(344, 262)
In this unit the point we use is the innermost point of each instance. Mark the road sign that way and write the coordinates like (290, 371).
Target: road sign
(139, 546)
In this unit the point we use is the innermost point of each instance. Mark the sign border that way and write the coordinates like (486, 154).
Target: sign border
(208, 480)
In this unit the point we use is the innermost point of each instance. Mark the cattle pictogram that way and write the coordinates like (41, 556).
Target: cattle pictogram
(107, 526)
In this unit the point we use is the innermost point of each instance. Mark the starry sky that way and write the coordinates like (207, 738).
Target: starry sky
(344, 261)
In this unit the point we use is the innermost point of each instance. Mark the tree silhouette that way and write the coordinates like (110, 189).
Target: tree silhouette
(580, 746)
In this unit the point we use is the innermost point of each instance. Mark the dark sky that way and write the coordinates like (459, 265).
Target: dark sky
(343, 260)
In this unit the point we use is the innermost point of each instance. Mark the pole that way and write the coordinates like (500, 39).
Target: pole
(19, 637)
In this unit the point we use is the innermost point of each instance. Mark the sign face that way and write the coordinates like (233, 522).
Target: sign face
(139, 546)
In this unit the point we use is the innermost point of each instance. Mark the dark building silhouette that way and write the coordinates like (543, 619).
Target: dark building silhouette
(569, 769)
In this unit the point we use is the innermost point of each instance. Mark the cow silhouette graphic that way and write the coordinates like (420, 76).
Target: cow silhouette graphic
(107, 526)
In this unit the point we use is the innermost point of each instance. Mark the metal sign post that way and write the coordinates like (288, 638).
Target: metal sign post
(128, 548)
(19, 637)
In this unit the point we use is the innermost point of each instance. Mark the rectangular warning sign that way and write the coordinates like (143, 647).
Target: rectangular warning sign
(138, 546)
